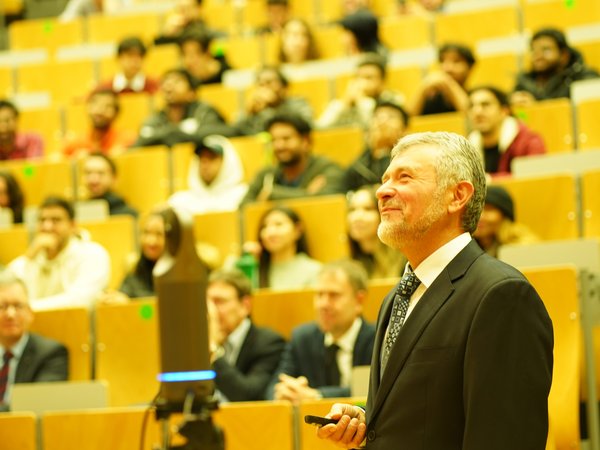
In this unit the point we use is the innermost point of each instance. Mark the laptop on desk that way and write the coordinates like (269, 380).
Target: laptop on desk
(58, 396)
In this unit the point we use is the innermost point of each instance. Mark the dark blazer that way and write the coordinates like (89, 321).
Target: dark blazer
(305, 356)
(471, 368)
(43, 359)
(258, 359)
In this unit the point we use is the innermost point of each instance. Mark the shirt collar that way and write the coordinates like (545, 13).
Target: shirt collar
(347, 340)
(136, 84)
(17, 349)
(433, 265)
(236, 337)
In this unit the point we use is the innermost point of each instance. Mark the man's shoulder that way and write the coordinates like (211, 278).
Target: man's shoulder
(309, 330)
(265, 334)
(44, 344)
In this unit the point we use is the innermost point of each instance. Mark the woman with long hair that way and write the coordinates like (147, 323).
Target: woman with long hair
(11, 196)
(283, 254)
(379, 260)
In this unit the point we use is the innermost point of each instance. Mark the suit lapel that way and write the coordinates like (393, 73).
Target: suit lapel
(26, 367)
(382, 321)
(434, 298)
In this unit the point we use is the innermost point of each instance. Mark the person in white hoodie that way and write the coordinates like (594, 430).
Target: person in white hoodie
(215, 179)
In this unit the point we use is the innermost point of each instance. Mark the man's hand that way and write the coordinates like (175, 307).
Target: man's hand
(43, 242)
(316, 184)
(294, 389)
(351, 428)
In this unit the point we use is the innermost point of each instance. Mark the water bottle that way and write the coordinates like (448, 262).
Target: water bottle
(248, 264)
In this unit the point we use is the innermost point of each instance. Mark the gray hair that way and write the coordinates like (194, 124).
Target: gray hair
(8, 278)
(458, 161)
(354, 271)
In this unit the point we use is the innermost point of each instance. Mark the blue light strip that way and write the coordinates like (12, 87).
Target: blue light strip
(199, 375)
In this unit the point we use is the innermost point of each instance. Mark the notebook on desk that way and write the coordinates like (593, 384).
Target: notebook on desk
(58, 396)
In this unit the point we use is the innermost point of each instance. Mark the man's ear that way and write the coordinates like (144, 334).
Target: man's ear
(462, 193)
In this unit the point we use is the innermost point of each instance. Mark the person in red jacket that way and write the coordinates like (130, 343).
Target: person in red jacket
(499, 135)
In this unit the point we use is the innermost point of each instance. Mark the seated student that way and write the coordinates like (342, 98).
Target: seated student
(215, 178)
(183, 116)
(277, 14)
(379, 260)
(185, 16)
(361, 33)
(139, 282)
(83, 8)
(268, 98)
(282, 252)
(130, 78)
(554, 67)
(499, 135)
(363, 92)
(198, 60)
(11, 196)
(25, 357)
(297, 173)
(99, 177)
(243, 355)
(444, 90)
(297, 43)
(387, 126)
(61, 268)
(102, 108)
(16, 144)
(318, 360)
(497, 224)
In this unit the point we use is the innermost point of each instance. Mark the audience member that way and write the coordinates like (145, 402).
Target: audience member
(269, 98)
(130, 78)
(444, 90)
(28, 357)
(297, 43)
(198, 60)
(11, 196)
(83, 8)
(187, 15)
(99, 178)
(102, 109)
(361, 33)
(497, 226)
(379, 260)
(554, 67)
(496, 133)
(183, 117)
(244, 355)
(282, 252)
(277, 14)
(298, 172)
(364, 90)
(15, 144)
(387, 126)
(139, 281)
(61, 268)
(318, 360)
(215, 179)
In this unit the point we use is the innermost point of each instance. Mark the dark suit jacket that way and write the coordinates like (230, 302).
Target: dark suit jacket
(305, 356)
(258, 359)
(43, 359)
(472, 365)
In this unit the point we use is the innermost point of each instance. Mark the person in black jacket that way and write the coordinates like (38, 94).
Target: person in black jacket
(554, 67)
(24, 357)
(244, 356)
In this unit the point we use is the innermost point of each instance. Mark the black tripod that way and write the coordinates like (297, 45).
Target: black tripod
(197, 427)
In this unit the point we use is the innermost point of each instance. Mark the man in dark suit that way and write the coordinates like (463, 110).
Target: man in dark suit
(464, 361)
(244, 356)
(24, 357)
(319, 358)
